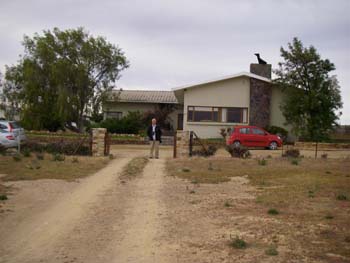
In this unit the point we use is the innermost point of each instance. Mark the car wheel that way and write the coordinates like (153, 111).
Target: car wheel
(273, 146)
(237, 144)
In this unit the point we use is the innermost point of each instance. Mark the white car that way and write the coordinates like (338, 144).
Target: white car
(8, 139)
(15, 128)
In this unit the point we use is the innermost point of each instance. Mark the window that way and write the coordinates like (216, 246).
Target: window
(217, 114)
(114, 115)
(203, 114)
(244, 130)
(258, 131)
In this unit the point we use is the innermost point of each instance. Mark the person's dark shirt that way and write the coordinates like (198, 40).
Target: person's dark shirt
(158, 133)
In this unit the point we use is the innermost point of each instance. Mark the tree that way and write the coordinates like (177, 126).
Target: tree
(63, 76)
(312, 96)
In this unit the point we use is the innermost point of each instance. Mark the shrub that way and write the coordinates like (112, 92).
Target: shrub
(262, 162)
(273, 211)
(3, 197)
(75, 160)
(130, 124)
(209, 151)
(237, 243)
(295, 162)
(40, 156)
(295, 153)
(283, 133)
(324, 156)
(58, 157)
(342, 197)
(2, 150)
(17, 157)
(239, 152)
(26, 152)
(271, 251)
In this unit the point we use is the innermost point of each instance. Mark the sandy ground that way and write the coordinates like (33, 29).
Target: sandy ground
(152, 218)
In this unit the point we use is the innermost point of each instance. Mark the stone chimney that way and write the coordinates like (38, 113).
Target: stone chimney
(260, 96)
(263, 70)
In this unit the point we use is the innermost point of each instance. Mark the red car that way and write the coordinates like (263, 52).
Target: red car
(252, 136)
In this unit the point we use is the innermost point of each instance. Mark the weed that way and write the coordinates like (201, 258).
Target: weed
(210, 166)
(75, 160)
(34, 165)
(329, 216)
(342, 197)
(17, 157)
(26, 152)
(227, 204)
(192, 192)
(271, 251)
(328, 172)
(58, 157)
(3, 197)
(40, 156)
(195, 181)
(295, 162)
(186, 170)
(292, 153)
(262, 162)
(347, 239)
(273, 211)
(237, 243)
(324, 156)
(111, 157)
(269, 157)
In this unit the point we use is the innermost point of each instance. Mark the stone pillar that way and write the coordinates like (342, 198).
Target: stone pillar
(183, 144)
(263, 70)
(98, 141)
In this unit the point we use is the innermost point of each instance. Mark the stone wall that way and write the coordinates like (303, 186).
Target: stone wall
(98, 141)
(182, 144)
(263, 70)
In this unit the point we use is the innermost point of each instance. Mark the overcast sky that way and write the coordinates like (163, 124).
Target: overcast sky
(174, 43)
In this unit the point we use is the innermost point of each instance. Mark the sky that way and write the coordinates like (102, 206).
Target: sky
(172, 43)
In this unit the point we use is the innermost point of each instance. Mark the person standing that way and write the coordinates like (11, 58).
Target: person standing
(155, 138)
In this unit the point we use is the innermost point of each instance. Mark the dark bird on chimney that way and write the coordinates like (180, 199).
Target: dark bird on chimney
(260, 60)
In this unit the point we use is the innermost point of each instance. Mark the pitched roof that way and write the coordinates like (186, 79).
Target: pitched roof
(143, 96)
(241, 74)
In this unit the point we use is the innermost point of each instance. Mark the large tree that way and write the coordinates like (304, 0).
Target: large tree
(312, 96)
(64, 75)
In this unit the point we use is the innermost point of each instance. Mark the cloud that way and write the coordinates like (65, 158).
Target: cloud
(174, 42)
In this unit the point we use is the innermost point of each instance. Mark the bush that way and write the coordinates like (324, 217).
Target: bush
(210, 150)
(273, 211)
(239, 152)
(62, 147)
(295, 162)
(262, 162)
(58, 157)
(283, 133)
(237, 243)
(3, 197)
(26, 152)
(130, 124)
(17, 157)
(40, 156)
(295, 153)
(2, 150)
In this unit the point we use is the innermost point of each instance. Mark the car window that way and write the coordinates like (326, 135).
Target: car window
(3, 126)
(244, 130)
(258, 131)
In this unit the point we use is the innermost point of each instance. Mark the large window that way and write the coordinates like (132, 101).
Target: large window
(217, 114)
(114, 115)
(203, 114)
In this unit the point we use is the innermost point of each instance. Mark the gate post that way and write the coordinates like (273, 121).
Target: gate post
(182, 144)
(98, 141)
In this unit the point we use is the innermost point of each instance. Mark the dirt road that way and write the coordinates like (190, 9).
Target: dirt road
(152, 218)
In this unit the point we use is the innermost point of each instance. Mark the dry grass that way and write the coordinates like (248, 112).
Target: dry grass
(134, 168)
(310, 218)
(31, 168)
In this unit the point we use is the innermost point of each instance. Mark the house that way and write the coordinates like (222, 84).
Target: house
(246, 98)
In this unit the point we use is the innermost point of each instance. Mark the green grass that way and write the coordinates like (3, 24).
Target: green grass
(237, 243)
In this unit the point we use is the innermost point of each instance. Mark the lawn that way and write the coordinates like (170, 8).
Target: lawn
(31, 168)
(304, 203)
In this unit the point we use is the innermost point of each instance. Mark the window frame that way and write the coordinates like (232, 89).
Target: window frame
(114, 112)
(192, 109)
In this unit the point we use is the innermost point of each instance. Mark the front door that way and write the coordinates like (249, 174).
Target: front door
(180, 121)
